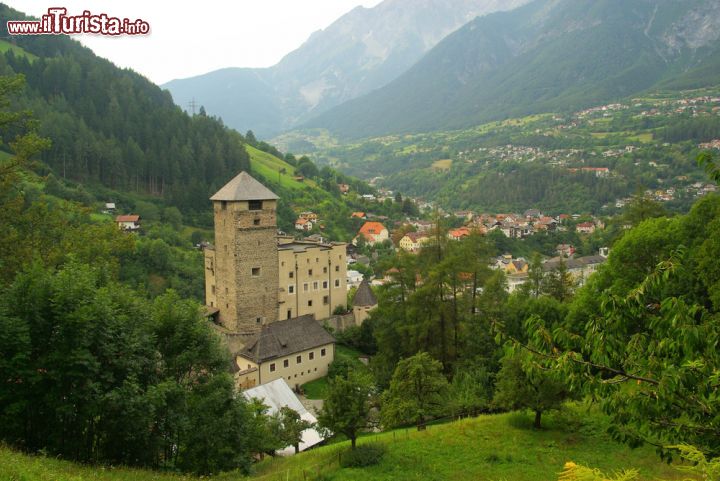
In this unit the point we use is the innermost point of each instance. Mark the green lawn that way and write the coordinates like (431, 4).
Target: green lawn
(18, 467)
(496, 447)
(317, 389)
(492, 448)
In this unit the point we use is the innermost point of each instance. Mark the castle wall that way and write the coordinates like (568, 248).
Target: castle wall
(312, 279)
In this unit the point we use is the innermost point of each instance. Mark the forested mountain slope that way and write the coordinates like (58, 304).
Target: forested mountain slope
(550, 55)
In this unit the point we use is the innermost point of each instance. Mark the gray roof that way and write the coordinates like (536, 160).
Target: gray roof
(299, 246)
(577, 263)
(244, 187)
(364, 296)
(283, 338)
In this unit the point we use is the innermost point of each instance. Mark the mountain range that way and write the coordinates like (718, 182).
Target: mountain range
(363, 50)
(549, 55)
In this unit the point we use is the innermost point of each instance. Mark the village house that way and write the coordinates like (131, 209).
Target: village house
(413, 241)
(358, 215)
(579, 268)
(565, 250)
(311, 216)
(128, 222)
(422, 225)
(585, 228)
(344, 188)
(353, 279)
(532, 214)
(303, 224)
(459, 233)
(506, 263)
(465, 214)
(373, 232)
(298, 350)
(109, 208)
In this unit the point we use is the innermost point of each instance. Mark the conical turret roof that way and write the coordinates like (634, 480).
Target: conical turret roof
(364, 296)
(244, 187)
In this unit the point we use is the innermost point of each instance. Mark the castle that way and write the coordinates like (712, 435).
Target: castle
(254, 276)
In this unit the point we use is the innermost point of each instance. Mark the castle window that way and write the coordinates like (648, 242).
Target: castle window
(326, 300)
(324, 270)
(311, 356)
(325, 285)
(309, 272)
(291, 289)
(256, 221)
(322, 352)
(337, 268)
(256, 272)
(255, 205)
(298, 359)
(258, 320)
(291, 275)
(315, 285)
(317, 259)
(223, 205)
(305, 287)
(286, 363)
(272, 367)
(212, 289)
(337, 282)
(289, 314)
(309, 303)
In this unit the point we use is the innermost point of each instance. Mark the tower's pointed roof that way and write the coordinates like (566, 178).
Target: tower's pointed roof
(364, 296)
(244, 187)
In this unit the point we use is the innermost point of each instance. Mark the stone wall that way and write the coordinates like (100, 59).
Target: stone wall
(339, 323)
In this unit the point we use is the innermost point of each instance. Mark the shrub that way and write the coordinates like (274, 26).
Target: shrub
(363, 456)
(339, 367)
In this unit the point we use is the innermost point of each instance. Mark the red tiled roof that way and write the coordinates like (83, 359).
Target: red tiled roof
(416, 236)
(372, 228)
(127, 218)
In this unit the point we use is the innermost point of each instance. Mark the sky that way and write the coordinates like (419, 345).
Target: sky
(192, 38)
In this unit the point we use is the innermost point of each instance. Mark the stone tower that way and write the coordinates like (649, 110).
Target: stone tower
(241, 270)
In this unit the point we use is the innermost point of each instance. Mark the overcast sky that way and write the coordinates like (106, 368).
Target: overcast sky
(192, 38)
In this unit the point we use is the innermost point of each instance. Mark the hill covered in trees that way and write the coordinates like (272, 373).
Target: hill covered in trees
(115, 136)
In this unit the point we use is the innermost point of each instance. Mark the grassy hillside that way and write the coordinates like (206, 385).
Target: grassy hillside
(497, 447)
(275, 169)
(6, 46)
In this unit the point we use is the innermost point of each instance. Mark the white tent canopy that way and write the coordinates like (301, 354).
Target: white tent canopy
(277, 394)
